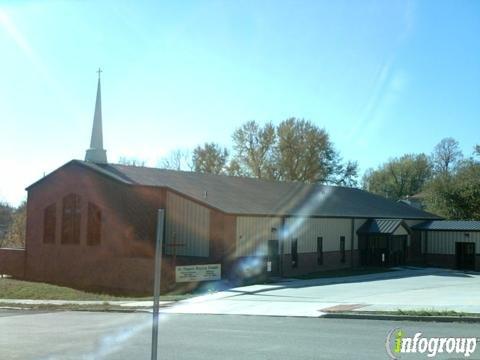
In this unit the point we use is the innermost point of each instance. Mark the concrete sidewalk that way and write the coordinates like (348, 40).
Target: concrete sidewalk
(405, 289)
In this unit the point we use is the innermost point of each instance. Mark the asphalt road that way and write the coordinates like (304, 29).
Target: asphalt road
(88, 335)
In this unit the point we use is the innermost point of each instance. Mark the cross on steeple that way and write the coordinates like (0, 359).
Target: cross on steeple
(96, 153)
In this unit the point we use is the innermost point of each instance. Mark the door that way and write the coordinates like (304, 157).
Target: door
(377, 250)
(465, 255)
(272, 258)
(398, 250)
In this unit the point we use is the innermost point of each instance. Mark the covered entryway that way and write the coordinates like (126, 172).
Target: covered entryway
(383, 242)
(465, 255)
(450, 243)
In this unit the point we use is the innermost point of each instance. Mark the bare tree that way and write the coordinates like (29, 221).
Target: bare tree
(178, 159)
(123, 160)
(446, 156)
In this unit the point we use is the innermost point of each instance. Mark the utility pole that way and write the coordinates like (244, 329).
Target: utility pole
(157, 277)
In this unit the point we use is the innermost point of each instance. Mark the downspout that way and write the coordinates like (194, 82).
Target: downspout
(352, 228)
(281, 237)
(425, 257)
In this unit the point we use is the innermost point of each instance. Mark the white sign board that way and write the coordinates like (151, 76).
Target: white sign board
(191, 273)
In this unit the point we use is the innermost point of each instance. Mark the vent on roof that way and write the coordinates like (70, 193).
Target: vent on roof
(205, 194)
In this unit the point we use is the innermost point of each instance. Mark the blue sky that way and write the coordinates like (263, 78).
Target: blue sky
(382, 77)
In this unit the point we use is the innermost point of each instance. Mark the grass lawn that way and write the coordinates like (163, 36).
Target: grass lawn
(432, 312)
(19, 289)
(344, 272)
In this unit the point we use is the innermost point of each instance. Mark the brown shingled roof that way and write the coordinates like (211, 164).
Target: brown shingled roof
(247, 196)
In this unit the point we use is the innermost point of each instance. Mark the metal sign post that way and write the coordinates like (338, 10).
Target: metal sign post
(157, 276)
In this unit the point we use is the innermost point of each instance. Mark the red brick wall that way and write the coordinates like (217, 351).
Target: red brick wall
(445, 261)
(307, 262)
(123, 260)
(439, 260)
(12, 262)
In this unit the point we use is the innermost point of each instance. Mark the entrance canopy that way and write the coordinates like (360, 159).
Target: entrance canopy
(383, 242)
(384, 226)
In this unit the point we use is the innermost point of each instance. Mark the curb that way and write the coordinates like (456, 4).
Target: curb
(446, 319)
(83, 308)
(86, 309)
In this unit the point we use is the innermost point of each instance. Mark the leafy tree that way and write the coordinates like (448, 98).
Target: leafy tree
(15, 236)
(399, 177)
(6, 214)
(303, 152)
(456, 196)
(446, 156)
(234, 169)
(295, 150)
(476, 150)
(210, 158)
(347, 174)
(254, 146)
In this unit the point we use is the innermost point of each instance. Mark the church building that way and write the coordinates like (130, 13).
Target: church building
(92, 224)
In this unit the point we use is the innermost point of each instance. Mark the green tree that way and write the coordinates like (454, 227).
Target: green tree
(476, 150)
(254, 147)
(210, 158)
(295, 150)
(399, 177)
(456, 196)
(303, 152)
(15, 236)
(6, 214)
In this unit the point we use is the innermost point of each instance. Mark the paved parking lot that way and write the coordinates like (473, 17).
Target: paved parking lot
(406, 288)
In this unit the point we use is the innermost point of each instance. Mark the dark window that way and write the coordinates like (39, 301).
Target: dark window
(294, 254)
(71, 219)
(94, 226)
(342, 248)
(49, 224)
(320, 250)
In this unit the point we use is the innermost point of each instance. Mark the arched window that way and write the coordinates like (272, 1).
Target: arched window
(71, 217)
(49, 224)
(94, 226)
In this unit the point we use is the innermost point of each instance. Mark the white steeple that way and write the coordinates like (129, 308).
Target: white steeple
(97, 153)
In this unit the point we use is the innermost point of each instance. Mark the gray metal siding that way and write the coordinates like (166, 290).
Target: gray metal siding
(357, 224)
(187, 223)
(443, 242)
(253, 234)
(306, 230)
